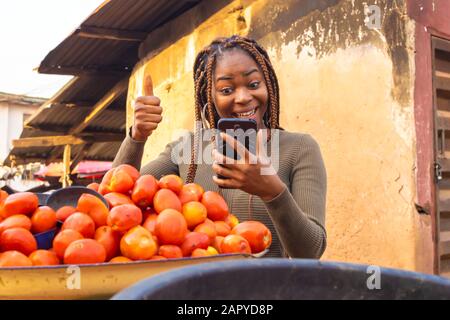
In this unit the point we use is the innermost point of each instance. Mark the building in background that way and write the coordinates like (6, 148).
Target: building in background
(370, 80)
(14, 112)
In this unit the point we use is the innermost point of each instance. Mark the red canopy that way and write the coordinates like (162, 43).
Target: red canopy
(92, 167)
(85, 169)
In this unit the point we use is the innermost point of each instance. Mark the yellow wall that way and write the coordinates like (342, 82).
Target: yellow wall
(348, 86)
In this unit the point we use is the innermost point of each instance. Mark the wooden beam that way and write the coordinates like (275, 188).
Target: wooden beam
(73, 104)
(65, 179)
(110, 34)
(53, 141)
(102, 137)
(25, 160)
(112, 95)
(49, 141)
(46, 127)
(89, 138)
(64, 129)
(106, 71)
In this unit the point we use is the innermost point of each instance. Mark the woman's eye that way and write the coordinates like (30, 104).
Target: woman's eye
(254, 84)
(226, 91)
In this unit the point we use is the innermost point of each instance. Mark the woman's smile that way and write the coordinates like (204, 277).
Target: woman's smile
(246, 114)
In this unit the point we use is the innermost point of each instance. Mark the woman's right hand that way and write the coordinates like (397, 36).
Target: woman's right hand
(147, 112)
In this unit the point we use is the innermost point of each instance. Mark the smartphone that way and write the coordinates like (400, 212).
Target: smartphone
(243, 130)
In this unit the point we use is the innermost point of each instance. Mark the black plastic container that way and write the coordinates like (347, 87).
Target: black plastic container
(56, 199)
(260, 279)
(69, 197)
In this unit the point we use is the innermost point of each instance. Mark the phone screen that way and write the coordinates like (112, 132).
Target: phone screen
(243, 130)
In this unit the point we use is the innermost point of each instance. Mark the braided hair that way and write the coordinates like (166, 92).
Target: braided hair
(204, 66)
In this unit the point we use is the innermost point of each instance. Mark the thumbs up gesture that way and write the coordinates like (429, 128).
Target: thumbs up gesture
(147, 112)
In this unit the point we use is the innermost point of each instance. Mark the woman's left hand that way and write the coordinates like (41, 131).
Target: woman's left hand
(253, 174)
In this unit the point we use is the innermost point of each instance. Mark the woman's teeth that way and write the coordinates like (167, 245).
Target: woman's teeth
(247, 114)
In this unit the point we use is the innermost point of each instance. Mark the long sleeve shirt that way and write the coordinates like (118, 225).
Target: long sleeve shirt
(296, 217)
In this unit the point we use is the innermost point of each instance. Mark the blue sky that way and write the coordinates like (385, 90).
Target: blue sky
(29, 29)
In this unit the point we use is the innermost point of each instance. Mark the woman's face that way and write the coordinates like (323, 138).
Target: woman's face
(239, 90)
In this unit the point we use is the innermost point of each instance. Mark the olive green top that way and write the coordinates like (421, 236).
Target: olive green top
(296, 217)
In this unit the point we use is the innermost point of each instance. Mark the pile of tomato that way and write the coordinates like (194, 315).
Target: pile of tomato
(147, 219)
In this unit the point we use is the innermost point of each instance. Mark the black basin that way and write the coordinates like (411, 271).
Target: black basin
(69, 197)
(260, 279)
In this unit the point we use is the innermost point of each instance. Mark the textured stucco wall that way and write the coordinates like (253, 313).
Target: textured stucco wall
(349, 86)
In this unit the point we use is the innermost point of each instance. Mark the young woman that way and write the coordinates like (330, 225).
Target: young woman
(234, 78)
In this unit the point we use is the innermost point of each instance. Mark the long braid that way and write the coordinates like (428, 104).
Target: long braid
(194, 152)
(203, 77)
(209, 74)
(199, 74)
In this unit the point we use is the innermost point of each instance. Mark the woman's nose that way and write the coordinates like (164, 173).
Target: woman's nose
(243, 96)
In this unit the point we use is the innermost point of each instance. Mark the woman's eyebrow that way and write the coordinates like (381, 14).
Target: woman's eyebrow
(245, 74)
(224, 78)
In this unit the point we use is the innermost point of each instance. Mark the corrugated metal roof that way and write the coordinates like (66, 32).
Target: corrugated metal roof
(75, 102)
(61, 118)
(99, 64)
(77, 54)
(86, 88)
(20, 99)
